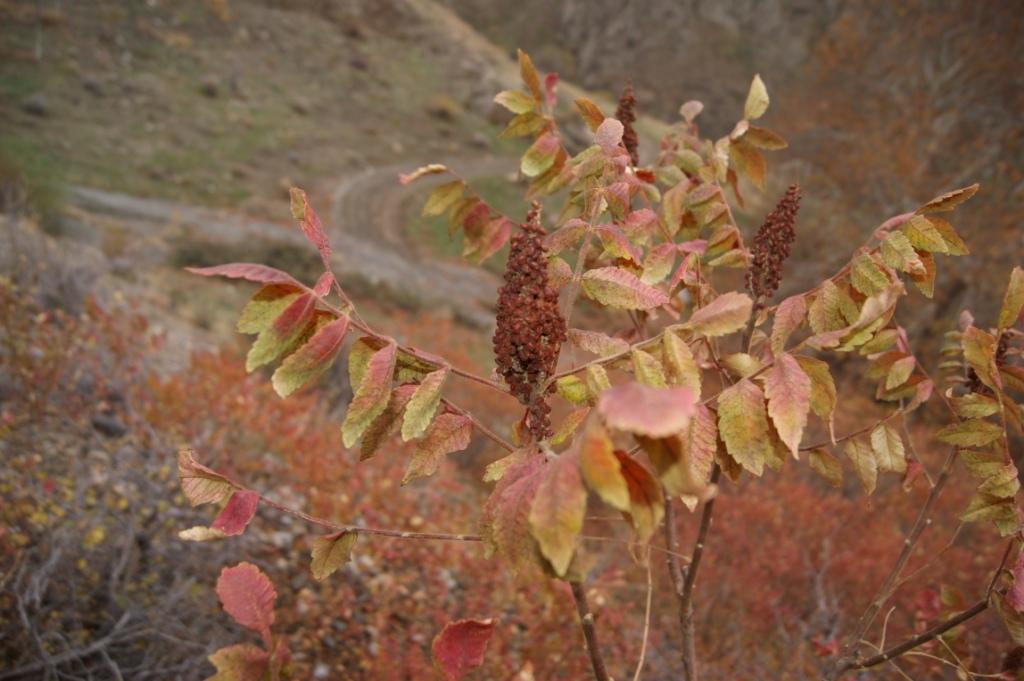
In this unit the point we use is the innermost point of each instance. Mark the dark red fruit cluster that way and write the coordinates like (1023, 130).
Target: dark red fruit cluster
(626, 114)
(530, 328)
(771, 246)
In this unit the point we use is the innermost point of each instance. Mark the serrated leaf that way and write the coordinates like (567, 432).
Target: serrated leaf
(974, 406)
(241, 662)
(788, 390)
(309, 221)
(330, 552)
(504, 519)
(422, 406)
(567, 428)
(888, 448)
(573, 390)
(788, 318)
(311, 360)
(648, 369)
(596, 379)
(528, 73)
(743, 425)
(680, 366)
(979, 349)
(864, 464)
(923, 236)
(827, 465)
(557, 511)
(899, 253)
(762, 138)
(460, 647)
(867, 277)
(953, 241)
(590, 113)
(524, 125)
(1003, 483)
(658, 263)
(448, 433)
(516, 101)
(900, 371)
(248, 271)
(540, 156)
(618, 288)
(646, 504)
(597, 343)
(201, 485)
(601, 468)
(757, 99)
(924, 279)
(286, 328)
(371, 396)
(608, 135)
(974, 433)
(1003, 512)
(443, 197)
(248, 596)
(636, 408)
(387, 423)
(265, 306)
(726, 314)
(949, 200)
(1013, 300)
(828, 309)
(236, 514)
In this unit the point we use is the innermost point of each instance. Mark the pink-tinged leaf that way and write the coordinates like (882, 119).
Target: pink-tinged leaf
(243, 662)
(619, 288)
(286, 328)
(235, 516)
(658, 263)
(788, 318)
(431, 169)
(248, 271)
(597, 343)
(460, 647)
(557, 512)
(248, 596)
(646, 504)
(640, 223)
(1015, 596)
(541, 155)
(616, 243)
(725, 314)
(550, 88)
(636, 408)
(609, 135)
(312, 359)
(388, 423)
(494, 234)
(697, 246)
(788, 390)
(504, 519)
(743, 425)
(200, 484)
(448, 433)
(371, 396)
(311, 227)
(565, 236)
(323, 284)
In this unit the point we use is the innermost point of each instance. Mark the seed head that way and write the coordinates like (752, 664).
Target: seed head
(626, 114)
(771, 246)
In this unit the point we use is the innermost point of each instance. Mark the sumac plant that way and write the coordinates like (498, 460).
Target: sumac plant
(690, 386)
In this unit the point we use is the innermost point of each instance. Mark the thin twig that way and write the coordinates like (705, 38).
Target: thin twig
(647, 622)
(484, 430)
(579, 594)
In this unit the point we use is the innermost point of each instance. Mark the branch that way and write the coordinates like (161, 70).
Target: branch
(484, 430)
(579, 594)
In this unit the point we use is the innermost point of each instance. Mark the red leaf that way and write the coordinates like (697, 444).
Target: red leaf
(247, 271)
(323, 284)
(312, 359)
(637, 408)
(240, 509)
(460, 647)
(609, 135)
(248, 596)
(550, 85)
(311, 227)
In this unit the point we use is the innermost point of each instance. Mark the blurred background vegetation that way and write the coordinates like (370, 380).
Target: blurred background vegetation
(140, 136)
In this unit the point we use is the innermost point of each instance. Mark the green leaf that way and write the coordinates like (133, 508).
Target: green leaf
(573, 390)
(387, 423)
(974, 406)
(743, 425)
(447, 433)
(516, 101)
(557, 511)
(523, 125)
(827, 465)
(1013, 300)
(922, 235)
(540, 156)
(867, 277)
(974, 433)
(680, 366)
(423, 404)
(330, 552)
(725, 314)
(648, 369)
(788, 390)
(618, 288)
(597, 380)
(372, 395)
(899, 253)
(864, 464)
(757, 100)
(286, 328)
(1003, 512)
(443, 197)
(888, 449)
(269, 302)
(312, 359)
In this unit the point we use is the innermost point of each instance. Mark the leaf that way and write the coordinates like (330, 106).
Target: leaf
(248, 271)
(888, 448)
(867, 277)
(748, 162)
(443, 197)
(495, 234)
(743, 425)
(621, 289)
(827, 465)
(1003, 512)
(504, 519)
(690, 110)
(422, 171)
(949, 200)
(899, 253)
(680, 366)
(200, 484)
(922, 235)
(953, 241)
(762, 138)
(646, 504)
(924, 279)
(757, 100)
(448, 433)
(788, 318)
(540, 156)
(647, 369)
(658, 263)
(312, 359)
(528, 72)
(974, 433)
(516, 101)
(461, 645)
(235, 516)
(557, 511)
(725, 314)
(269, 302)
(371, 397)
(900, 371)
(974, 406)
(387, 423)
(569, 425)
(864, 464)
(241, 662)
(201, 533)
(636, 408)
(286, 328)
(330, 552)
(601, 469)
(590, 113)
(788, 390)
(596, 380)
(979, 352)
(310, 223)
(523, 125)
(1013, 300)
(573, 390)
(248, 596)
(597, 343)
(423, 404)
(608, 135)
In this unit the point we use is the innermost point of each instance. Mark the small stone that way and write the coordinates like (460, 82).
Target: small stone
(108, 425)
(36, 105)
(210, 87)
(300, 105)
(93, 86)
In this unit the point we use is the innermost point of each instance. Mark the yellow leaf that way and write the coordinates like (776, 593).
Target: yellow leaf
(757, 100)
(330, 552)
